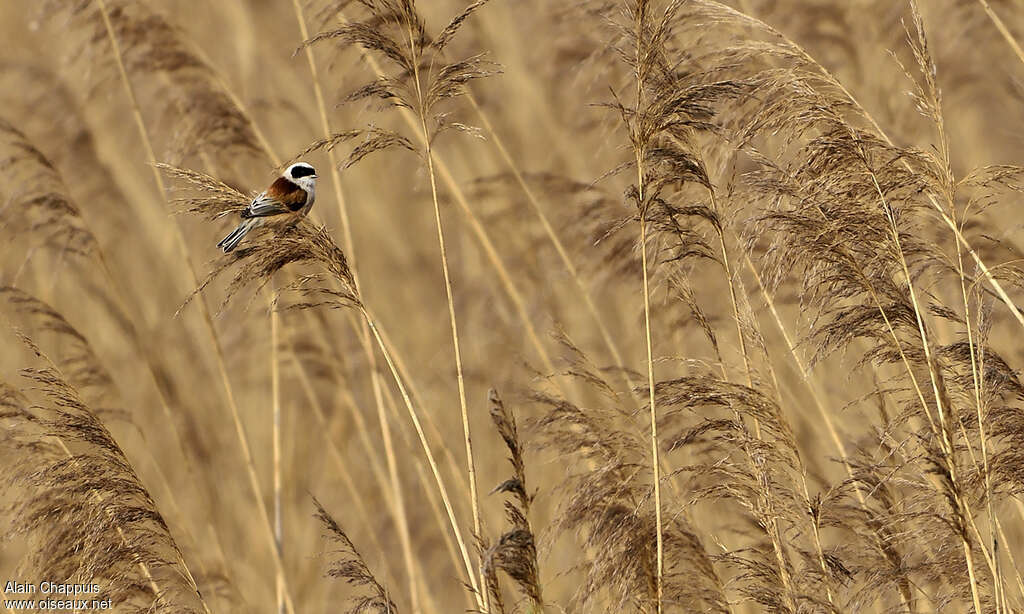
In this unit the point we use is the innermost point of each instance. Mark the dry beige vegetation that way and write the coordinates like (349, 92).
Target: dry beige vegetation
(798, 219)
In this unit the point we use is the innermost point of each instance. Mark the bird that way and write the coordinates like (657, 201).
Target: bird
(286, 201)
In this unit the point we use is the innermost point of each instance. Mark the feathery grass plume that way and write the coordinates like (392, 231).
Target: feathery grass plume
(57, 119)
(921, 527)
(87, 517)
(211, 198)
(929, 103)
(608, 504)
(515, 552)
(71, 353)
(36, 203)
(423, 82)
(760, 473)
(348, 565)
(48, 109)
(75, 357)
(206, 116)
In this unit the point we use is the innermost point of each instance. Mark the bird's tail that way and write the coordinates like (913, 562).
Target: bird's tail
(231, 241)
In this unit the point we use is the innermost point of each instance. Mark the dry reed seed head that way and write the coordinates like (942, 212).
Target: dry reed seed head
(608, 503)
(81, 505)
(375, 140)
(515, 552)
(188, 93)
(589, 223)
(36, 202)
(394, 31)
(49, 109)
(209, 197)
(673, 192)
(700, 395)
(915, 536)
(348, 565)
(744, 452)
(682, 289)
(840, 236)
(271, 249)
(855, 274)
(325, 144)
(74, 354)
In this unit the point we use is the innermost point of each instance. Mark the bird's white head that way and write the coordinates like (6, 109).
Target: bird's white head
(303, 175)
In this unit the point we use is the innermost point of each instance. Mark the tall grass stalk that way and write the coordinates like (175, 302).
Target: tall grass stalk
(428, 153)
(948, 183)
(341, 466)
(655, 448)
(772, 527)
(275, 395)
(977, 378)
(1003, 30)
(639, 144)
(413, 415)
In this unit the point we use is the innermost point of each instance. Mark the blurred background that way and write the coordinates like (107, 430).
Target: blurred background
(226, 89)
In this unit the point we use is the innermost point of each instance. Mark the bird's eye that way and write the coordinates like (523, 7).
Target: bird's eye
(302, 171)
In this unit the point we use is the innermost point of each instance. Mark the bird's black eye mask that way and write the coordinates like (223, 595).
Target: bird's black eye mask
(302, 171)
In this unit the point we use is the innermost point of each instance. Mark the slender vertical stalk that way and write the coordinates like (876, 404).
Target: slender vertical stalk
(801, 467)
(343, 467)
(1003, 30)
(435, 507)
(275, 394)
(976, 370)
(428, 153)
(772, 525)
(396, 492)
(962, 511)
(638, 150)
(655, 455)
(414, 416)
(470, 461)
(1009, 554)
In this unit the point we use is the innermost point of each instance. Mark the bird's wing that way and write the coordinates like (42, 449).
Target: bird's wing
(264, 205)
(282, 196)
